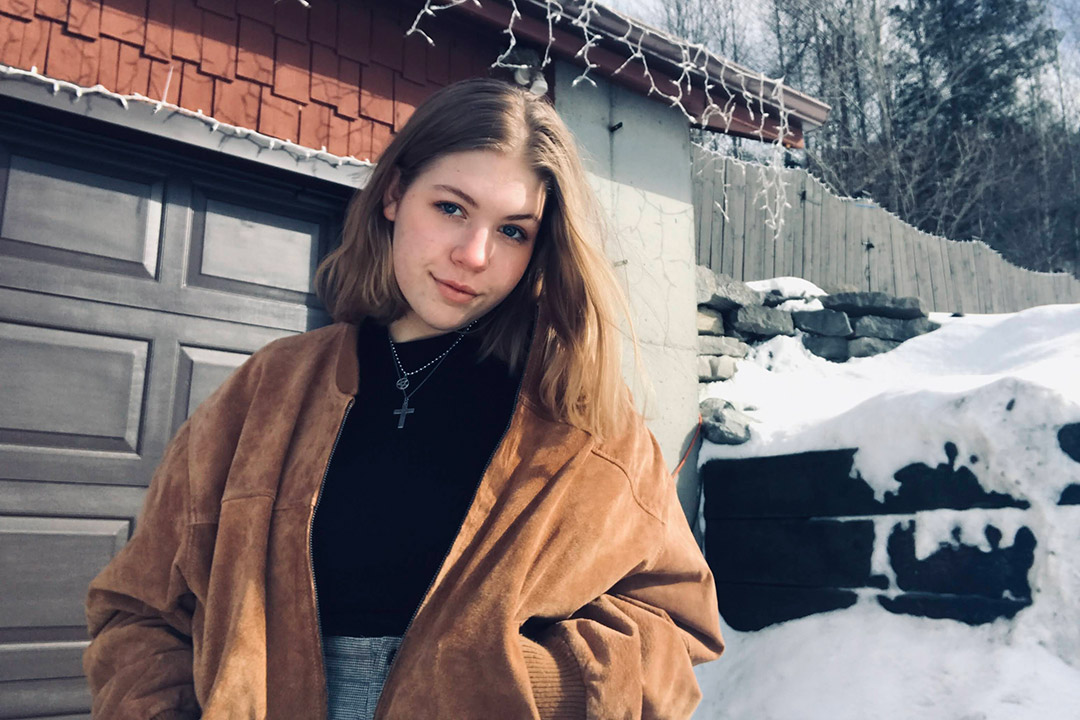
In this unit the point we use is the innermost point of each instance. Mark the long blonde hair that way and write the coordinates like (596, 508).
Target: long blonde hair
(568, 279)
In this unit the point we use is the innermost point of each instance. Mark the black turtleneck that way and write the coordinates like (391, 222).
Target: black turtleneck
(394, 498)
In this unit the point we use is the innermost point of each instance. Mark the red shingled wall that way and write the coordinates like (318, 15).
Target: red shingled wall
(340, 74)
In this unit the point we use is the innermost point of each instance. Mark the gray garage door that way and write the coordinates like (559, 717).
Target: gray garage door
(133, 279)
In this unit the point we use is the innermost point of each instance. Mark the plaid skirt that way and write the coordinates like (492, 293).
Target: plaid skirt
(356, 668)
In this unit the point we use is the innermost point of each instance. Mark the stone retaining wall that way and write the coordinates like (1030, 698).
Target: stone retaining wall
(732, 317)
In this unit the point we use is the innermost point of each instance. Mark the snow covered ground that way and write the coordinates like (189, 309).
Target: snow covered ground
(1000, 387)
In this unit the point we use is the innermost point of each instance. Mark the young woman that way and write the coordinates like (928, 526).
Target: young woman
(441, 506)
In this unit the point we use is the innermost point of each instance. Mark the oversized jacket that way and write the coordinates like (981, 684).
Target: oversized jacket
(573, 589)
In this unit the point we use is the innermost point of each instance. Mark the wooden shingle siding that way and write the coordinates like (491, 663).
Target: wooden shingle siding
(124, 20)
(18, 8)
(340, 74)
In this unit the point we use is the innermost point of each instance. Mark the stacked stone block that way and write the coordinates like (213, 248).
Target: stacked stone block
(732, 316)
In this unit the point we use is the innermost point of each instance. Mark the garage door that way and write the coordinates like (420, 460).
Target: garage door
(133, 279)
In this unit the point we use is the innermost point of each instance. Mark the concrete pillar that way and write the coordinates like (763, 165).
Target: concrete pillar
(641, 172)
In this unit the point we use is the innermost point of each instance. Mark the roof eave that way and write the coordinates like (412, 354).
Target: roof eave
(738, 102)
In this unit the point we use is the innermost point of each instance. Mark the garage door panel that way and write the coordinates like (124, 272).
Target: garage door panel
(69, 499)
(204, 251)
(21, 274)
(25, 457)
(254, 246)
(44, 699)
(27, 661)
(201, 371)
(48, 562)
(73, 390)
(107, 222)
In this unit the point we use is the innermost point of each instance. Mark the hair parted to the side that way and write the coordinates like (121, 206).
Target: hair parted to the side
(569, 278)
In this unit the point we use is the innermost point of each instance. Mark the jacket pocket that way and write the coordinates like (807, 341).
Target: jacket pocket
(555, 675)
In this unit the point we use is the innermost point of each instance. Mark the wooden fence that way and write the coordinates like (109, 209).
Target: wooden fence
(843, 242)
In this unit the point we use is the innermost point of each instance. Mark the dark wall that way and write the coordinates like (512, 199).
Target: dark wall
(788, 536)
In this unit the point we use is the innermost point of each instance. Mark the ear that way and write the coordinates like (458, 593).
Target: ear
(392, 196)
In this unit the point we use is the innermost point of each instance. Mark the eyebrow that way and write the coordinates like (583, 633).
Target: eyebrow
(467, 198)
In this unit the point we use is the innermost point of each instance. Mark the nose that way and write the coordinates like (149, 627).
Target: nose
(473, 249)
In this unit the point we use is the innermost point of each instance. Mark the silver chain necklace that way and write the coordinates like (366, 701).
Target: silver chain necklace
(402, 383)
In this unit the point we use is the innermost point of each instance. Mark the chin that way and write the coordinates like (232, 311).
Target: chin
(448, 322)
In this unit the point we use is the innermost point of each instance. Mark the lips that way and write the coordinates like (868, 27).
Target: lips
(463, 289)
(455, 293)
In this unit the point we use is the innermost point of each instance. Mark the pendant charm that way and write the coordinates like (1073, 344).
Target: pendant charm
(403, 413)
(402, 383)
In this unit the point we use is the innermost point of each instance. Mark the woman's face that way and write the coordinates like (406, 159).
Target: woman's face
(464, 232)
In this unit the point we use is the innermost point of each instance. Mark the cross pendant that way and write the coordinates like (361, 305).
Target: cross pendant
(405, 410)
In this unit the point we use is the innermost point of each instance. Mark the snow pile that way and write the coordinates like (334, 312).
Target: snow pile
(802, 295)
(999, 387)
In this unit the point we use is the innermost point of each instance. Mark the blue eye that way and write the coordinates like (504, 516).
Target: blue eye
(520, 237)
(448, 207)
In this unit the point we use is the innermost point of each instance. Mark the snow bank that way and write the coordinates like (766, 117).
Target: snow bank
(999, 387)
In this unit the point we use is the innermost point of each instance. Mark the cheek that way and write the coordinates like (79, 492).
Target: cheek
(517, 265)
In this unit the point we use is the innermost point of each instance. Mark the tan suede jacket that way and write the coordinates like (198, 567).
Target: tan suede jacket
(574, 588)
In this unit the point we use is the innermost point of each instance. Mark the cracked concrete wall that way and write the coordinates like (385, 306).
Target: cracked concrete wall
(641, 173)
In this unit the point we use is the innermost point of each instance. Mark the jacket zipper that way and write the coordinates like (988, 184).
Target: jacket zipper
(311, 538)
(393, 662)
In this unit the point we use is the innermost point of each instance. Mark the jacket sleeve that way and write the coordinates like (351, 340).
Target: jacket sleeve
(630, 652)
(139, 609)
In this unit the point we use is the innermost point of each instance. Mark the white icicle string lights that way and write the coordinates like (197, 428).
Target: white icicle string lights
(695, 62)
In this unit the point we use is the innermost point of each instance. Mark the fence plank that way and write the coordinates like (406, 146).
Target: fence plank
(920, 268)
(946, 270)
(824, 255)
(981, 290)
(1056, 288)
(716, 218)
(982, 272)
(839, 245)
(1059, 288)
(1067, 289)
(703, 182)
(854, 252)
(766, 201)
(961, 299)
(904, 270)
(1044, 288)
(832, 221)
(967, 259)
(997, 294)
(736, 210)
(1072, 293)
(697, 181)
(1002, 293)
(880, 245)
(792, 238)
(938, 244)
(752, 247)
(812, 231)
(933, 270)
(1048, 288)
(882, 267)
(1027, 297)
(781, 257)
